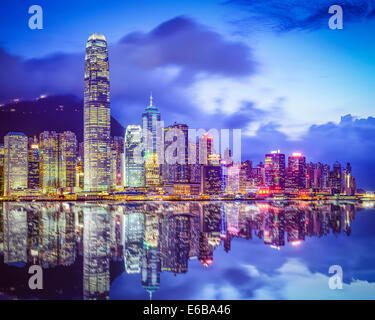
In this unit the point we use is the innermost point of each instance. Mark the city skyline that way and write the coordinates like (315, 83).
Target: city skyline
(187, 150)
(268, 79)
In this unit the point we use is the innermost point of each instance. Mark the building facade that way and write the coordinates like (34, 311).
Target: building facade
(15, 162)
(97, 121)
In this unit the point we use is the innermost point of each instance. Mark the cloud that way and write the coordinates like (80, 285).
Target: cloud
(287, 15)
(292, 280)
(167, 60)
(349, 140)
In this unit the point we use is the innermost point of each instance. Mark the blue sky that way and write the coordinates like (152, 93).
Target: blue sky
(272, 68)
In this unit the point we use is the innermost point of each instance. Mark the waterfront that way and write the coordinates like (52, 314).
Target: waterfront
(187, 250)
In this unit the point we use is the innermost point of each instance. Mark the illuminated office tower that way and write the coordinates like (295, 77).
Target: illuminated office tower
(259, 175)
(134, 235)
(194, 166)
(246, 175)
(318, 176)
(275, 170)
(205, 148)
(134, 162)
(211, 179)
(112, 168)
(349, 181)
(152, 131)
(152, 170)
(67, 158)
(15, 162)
(296, 178)
(96, 251)
(336, 177)
(233, 178)
(325, 176)
(97, 122)
(79, 173)
(33, 164)
(175, 167)
(310, 167)
(118, 148)
(49, 161)
(1, 169)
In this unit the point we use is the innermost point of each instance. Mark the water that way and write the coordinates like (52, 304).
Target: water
(187, 250)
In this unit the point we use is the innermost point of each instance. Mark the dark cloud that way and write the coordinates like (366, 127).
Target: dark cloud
(287, 15)
(166, 61)
(350, 140)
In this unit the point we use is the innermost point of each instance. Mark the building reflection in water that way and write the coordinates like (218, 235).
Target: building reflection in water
(104, 240)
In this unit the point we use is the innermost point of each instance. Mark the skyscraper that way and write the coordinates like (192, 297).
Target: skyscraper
(97, 122)
(49, 160)
(118, 148)
(336, 177)
(211, 179)
(33, 164)
(175, 167)
(275, 170)
(68, 152)
(134, 165)
(152, 170)
(1, 169)
(296, 178)
(15, 162)
(205, 148)
(57, 160)
(152, 131)
(349, 187)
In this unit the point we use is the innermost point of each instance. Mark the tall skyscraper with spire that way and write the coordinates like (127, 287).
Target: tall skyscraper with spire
(152, 130)
(97, 141)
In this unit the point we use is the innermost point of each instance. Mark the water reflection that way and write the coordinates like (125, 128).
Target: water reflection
(84, 246)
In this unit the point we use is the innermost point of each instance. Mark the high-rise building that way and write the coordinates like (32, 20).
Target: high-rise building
(97, 140)
(152, 170)
(336, 177)
(68, 159)
(57, 160)
(259, 175)
(310, 167)
(325, 176)
(205, 148)
(15, 162)
(152, 131)
(175, 167)
(33, 164)
(134, 162)
(49, 161)
(275, 170)
(1, 169)
(296, 177)
(118, 148)
(79, 173)
(245, 176)
(211, 179)
(349, 186)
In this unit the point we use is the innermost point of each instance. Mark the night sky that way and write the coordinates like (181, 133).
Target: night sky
(270, 67)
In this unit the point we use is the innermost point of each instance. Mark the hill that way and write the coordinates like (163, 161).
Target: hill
(54, 113)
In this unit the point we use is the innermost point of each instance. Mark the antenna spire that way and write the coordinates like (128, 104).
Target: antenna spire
(151, 99)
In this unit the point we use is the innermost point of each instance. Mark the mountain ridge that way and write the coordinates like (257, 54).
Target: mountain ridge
(53, 113)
